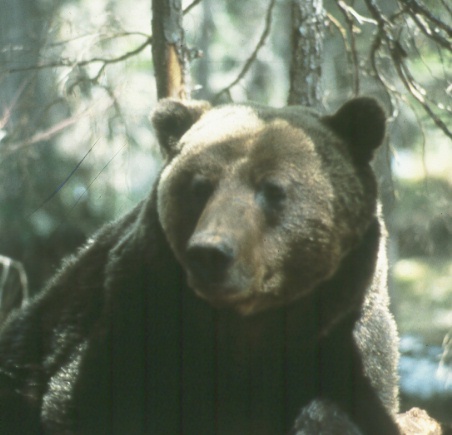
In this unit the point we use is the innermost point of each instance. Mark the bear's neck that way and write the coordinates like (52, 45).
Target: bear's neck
(343, 295)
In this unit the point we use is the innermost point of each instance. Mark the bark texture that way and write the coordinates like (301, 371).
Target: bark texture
(168, 49)
(308, 23)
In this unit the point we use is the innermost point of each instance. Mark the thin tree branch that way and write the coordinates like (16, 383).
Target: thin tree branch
(336, 23)
(249, 62)
(10, 107)
(191, 6)
(351, 50)
(352, 13)
(63, 183)
(447, 6)
(41, 136)
(102, 37)
(425, 29)
(71, 63)
(417, 8)
(387, 87)
(397, 55)
(419, 94)
(92, 181)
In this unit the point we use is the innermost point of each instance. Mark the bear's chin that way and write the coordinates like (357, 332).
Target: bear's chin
(226, 299)
(245, 303)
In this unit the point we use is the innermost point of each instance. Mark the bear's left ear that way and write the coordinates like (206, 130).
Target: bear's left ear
(361, 123)
(172, 118)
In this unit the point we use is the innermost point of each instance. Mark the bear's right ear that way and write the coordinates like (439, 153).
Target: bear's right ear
(172, 118)
(361, 123)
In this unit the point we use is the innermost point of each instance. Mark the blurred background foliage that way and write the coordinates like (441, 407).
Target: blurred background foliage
(77, 148)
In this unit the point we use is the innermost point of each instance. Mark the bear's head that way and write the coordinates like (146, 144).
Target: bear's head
(260, 205)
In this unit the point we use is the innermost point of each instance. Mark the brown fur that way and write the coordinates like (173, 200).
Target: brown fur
(329, 201)
(240, 294)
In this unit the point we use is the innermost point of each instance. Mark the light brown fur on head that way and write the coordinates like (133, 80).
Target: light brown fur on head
(260, 205)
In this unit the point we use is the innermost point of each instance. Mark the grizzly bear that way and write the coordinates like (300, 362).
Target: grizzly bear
(246, 295)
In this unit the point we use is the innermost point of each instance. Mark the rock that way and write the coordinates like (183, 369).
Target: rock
(417, 422)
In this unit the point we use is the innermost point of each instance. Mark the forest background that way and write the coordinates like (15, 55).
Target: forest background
(77, 85)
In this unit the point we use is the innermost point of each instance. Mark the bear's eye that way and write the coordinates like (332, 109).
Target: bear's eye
(200, 188)
(272, 193)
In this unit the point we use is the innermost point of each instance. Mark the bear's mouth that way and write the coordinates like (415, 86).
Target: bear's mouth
(221, 292)
(228, 293)
(245, 301)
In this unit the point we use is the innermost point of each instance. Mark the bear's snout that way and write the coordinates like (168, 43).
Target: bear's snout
(209, 257)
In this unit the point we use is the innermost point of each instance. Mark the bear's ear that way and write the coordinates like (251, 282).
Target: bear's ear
(172, 118)
(361, 123)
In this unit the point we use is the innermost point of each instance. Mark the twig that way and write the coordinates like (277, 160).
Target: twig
(10, 107)
(425, 29)
(43, 135)
(101, 39)
(252, 58)
(64, 182)
(447, 6)
(72, 63)
(418, 93)
(92, 182)
(418, 8)
(397, 54)
(191, 6)
(352, 13)
(351, 50)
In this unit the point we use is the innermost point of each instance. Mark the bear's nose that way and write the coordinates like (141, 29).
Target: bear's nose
(209, 258)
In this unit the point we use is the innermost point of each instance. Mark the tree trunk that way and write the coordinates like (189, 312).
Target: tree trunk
(168, 49)
(308, 22)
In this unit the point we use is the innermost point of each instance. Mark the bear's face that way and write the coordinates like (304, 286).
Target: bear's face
(259, 205)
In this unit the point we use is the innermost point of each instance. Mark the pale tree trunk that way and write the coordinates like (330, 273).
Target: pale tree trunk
(168, 49)
(308, 22)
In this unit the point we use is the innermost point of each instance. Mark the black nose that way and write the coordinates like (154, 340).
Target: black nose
(209, 260)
